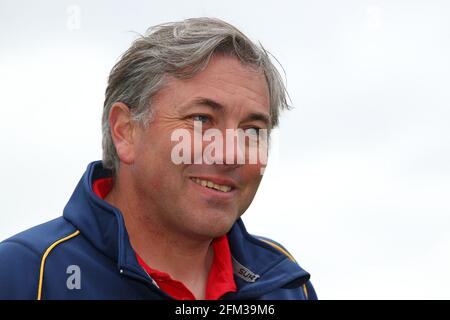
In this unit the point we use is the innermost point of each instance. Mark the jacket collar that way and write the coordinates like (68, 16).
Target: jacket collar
(257, 265)
(101, 223)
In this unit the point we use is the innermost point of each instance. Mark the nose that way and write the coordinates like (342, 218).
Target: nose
(232, 147)
(221, 147)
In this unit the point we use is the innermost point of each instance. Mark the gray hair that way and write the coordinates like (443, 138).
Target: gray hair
(182, 50)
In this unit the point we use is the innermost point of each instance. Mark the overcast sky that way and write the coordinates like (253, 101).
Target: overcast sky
(358, 183)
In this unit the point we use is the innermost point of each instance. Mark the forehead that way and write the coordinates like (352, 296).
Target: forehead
(225, 80)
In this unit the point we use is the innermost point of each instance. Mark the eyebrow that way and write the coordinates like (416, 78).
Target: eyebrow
(216, 106)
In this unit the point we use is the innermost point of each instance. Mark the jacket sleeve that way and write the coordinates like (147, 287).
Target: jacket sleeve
(19, 271)
(310, 293)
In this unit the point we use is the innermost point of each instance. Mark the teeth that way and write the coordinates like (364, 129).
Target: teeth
(212, 185)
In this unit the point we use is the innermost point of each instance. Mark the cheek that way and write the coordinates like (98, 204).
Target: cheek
(152, 160)
(154, 146)
(252, 176)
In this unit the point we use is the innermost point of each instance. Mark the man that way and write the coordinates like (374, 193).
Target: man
(143, 225)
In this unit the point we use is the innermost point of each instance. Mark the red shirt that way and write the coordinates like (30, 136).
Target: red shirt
(220, 278)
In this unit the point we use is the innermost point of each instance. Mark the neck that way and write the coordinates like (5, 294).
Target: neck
(186, 259)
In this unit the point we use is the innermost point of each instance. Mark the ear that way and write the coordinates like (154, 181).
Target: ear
(122, 131)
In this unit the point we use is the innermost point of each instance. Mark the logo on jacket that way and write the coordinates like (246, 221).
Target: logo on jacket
(74, 280)
(243, 272)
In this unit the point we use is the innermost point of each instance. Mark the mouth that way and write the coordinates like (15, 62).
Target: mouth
(224, 188)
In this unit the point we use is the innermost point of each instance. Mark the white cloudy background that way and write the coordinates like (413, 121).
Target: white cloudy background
(358, 184)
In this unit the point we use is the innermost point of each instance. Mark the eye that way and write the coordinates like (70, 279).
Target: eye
(201, 117)
(252, 131)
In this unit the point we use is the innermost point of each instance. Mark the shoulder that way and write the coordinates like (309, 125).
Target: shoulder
(40, 237)
(277, 246)
(307, 290)
(23, 254)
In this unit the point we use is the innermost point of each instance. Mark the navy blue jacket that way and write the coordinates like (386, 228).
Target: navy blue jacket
(86, 254)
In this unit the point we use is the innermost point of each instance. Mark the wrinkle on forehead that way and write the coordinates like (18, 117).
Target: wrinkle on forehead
(226, 75)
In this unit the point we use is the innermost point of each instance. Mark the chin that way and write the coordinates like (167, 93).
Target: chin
(214, 228)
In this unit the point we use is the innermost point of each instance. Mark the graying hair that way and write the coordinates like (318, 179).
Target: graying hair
(182, 50)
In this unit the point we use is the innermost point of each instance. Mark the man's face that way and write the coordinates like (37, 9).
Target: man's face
(173, 193)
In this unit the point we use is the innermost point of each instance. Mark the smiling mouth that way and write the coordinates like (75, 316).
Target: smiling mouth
(212, 185)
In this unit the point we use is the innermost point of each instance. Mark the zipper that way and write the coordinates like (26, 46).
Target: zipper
(151, 284)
